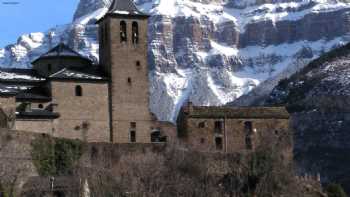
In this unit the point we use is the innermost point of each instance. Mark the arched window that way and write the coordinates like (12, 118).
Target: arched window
(123, 34)
(135, 33)
(40, 106)
(138, 65)
(78, 91)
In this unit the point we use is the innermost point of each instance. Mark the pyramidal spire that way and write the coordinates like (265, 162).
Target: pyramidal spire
(124, 7)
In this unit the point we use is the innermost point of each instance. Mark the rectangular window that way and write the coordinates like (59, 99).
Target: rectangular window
(132, 132)
(219, 125)
(132, 136)
(219, 143)
(248, 129)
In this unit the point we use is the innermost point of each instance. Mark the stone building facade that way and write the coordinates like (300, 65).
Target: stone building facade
(231, 129)
(65, 95)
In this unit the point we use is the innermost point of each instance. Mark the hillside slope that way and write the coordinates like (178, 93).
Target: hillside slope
(211, 51)
(319, 98)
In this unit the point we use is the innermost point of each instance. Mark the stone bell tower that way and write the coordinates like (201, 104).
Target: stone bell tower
(123, 57)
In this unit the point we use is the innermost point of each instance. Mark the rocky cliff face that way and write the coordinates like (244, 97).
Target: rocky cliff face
(208, 51)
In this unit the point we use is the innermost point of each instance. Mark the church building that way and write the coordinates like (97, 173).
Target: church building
(65, 95)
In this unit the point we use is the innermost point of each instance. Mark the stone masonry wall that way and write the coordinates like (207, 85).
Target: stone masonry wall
(83, 117)
(234, 135)
(129, 84)
(36, 126)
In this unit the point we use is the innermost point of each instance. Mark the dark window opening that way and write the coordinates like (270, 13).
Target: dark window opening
(78, 91)
(132, 136)
(218, 143)
(129, 80)
(85, 125)
(40, 106)
(49, 68)
(123, 34)
(135, 33)
(133, 125)
(105, 34)
(219, 126)
(156, 136)
(201, 125)
(202, 140)
(101, 35)
(94, 152)
(249, 142)
(58, 194)
(248, 129)
(138, 65)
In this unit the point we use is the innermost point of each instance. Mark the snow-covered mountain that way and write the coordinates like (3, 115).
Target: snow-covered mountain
(208, 51)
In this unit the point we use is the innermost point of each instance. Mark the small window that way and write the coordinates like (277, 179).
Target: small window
(101, 35)
(202, 140)
(49, 68)
(201, 125)
(218, 126)
(138, 65)
(40, 106)
(248, 127)
(85, 125)
(78, 91)
(123, 33)
(249, 142)
(105, 34)
(155, 136)
(135, 33)
(132, 125)
(129, 80)
(218, 143)
(132, 136)
(94, 152)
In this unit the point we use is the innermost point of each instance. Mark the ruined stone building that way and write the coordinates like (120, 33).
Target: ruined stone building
(65, 95)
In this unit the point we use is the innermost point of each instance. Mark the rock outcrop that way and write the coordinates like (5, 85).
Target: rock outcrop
(319, 98)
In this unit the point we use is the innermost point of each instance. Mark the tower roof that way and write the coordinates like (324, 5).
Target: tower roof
(124, 8)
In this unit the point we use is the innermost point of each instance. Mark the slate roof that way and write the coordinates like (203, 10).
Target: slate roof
(33, 94)
(85, 74)
(61, 50)
(125, 8)
(238, 112)
(37, 114)
(19, 76)
(7, 91)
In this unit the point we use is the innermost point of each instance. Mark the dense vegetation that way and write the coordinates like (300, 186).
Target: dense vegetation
(55, 156)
